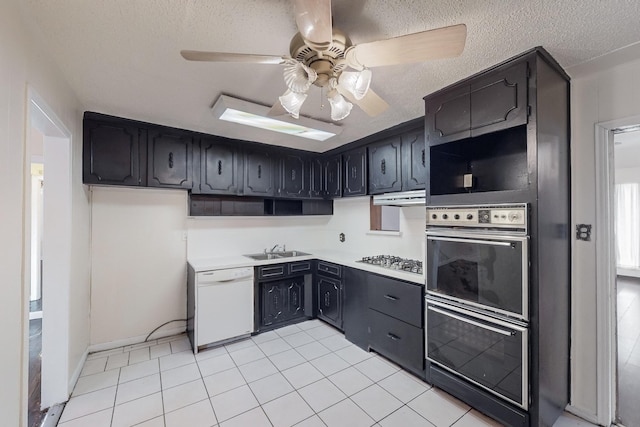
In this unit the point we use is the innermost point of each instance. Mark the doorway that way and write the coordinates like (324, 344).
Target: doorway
(47, 256)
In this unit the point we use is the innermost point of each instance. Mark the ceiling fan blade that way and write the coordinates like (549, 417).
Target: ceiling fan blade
(371, 104)
(277, 110)
(196, 55)
(313, 18)
(440, 43)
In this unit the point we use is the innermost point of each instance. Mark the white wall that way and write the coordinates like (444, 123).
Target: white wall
(601, 91)
(139, 259)
(22, 61)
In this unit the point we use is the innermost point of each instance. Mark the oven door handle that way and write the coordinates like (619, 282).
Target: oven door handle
(481, 242)
(472, 322)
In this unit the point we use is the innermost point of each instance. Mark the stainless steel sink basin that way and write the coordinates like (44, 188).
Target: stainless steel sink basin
(275, 255)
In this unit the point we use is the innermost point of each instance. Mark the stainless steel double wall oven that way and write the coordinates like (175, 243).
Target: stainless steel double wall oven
(477, 307)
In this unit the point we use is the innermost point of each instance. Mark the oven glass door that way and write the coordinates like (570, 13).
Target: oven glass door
(486, 271)
(489, 352)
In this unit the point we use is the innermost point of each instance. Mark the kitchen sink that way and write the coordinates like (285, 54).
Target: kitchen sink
(275, 255)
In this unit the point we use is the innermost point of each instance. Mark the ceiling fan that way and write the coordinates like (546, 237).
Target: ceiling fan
(324, 56)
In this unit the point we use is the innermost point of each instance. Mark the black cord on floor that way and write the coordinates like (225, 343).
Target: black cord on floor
(165, 323)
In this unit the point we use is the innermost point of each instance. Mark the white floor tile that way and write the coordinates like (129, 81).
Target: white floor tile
(350, 380)
(138, 355)
(287, 359)
(95, 382)
(97, 419)
(96, 366)
(376, 369)
(180, 345)
(298, 339)
(438, 407)
(215, 364)
(353, 354)
(474, 418)
(180, 375)
(197, 415)
(302, 375)
(335, 342)
(271, 347)
(171, 338)
(253, 418)
(271, 387)
(239, 345)
(376, 402)
(259, 369)
(208, 353)
(313, 421)
(404, 386)
(264, 337)
(153, 422)
(405, 417)
(321, 394)
(223, 381)
(246, 355)
(312, 350)
(104, 353)
(139, 370)
(184, 395)
(287, 410)
(137, 411)
(310, 324)
(322, 331)
(145, 344)
(234, 402)
(117, 361)
(176, 359)
(89, 403)
(287, 330)
(160, 350)
(329, 364)
(346, 413)
(136, 389)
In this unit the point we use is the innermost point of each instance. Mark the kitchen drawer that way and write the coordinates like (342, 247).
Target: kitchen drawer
(299, 267)
(396, 340)
(272, 271)
(327, 268)
(398, 299)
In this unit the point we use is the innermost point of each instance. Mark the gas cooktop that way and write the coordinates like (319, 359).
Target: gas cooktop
(394, 263)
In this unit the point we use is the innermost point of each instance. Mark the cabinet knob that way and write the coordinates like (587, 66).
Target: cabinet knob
(383, 166)
(423, 158)
(259, 171)
(170, 160)
(219, 167)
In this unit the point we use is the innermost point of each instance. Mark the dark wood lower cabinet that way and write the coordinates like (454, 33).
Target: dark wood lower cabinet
(282, 301)
(330, 300)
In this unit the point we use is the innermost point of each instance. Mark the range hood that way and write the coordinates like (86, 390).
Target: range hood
(404, 198)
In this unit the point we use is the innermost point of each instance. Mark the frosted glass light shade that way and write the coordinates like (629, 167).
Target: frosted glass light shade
(340, 107)
(292, 102)
(356, 82)
(298, 76)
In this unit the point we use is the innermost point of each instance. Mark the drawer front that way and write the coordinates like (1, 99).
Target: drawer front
(395, 298)
(272, 271)
(330, 269)
(399, 341)
(299, 267)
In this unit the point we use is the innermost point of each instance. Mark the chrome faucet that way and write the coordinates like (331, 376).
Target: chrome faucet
(275, 248)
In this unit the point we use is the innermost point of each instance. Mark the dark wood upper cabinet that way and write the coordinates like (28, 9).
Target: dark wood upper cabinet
(114, 153)
(448, 116)
(315, 166)
(332, 177)
(170, 159)
(259, 173)
(385, 166)
(221, 166)
(354, 169)
(414, 165)
(294, 176)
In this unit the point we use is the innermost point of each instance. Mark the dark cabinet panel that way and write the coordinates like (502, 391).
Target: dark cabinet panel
(282, 301)
(332, 177)
(114, 153)
(258, 173)
(355, 307)
(330, 301)
(385, 166)
(448, 116)
(294, 176)
(221, 166)
(316, 169)
(295, 298)
(355, 173)
(414, 169)
(399, 341)
(399, 299)
(170, 159)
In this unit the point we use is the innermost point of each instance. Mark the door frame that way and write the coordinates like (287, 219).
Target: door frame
(606, 320)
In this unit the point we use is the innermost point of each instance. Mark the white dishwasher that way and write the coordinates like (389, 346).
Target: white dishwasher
(224, 305)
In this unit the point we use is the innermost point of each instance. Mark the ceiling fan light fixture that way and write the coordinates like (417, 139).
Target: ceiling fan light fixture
(292, 102)
(298, 76)
(356, 82)
(340, 107)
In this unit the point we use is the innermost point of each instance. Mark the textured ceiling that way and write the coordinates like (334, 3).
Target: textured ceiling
(122, 56)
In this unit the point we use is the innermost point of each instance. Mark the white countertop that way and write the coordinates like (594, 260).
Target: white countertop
(342, 258)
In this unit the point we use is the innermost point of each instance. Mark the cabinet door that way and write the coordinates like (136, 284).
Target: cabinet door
(385, 166)
(274, 303)
(258, 173)
(294, 289)
(355, 307)
(113, 153)
(414, 170)
(294, 179)
(220, 167)
(330, 301)
(170, 159)
(499, 100)
(332, 177)
(448, 116)
(316, 168)
(355, 173)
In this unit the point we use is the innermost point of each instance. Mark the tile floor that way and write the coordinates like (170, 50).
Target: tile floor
(628, 350)
(304, 375)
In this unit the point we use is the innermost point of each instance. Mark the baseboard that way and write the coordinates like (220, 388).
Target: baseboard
(582, 413)
(76, 372)
(628, 272)
(135, 340)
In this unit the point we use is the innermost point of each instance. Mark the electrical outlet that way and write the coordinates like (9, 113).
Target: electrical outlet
(341, 237)
(184, 236)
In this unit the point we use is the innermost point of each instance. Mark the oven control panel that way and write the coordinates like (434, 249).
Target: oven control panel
(498, 216)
